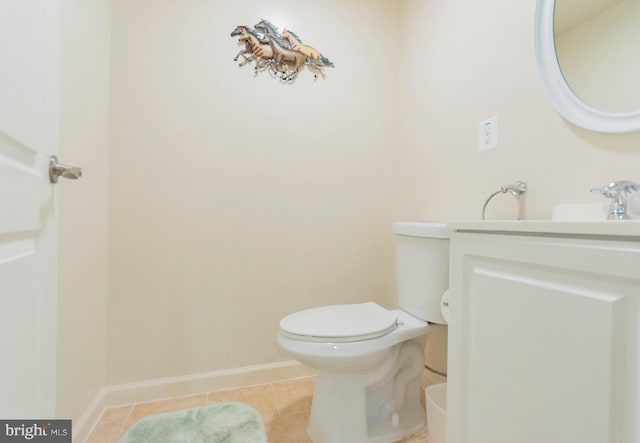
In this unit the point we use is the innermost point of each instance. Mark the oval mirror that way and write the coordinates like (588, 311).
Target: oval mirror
(587, 56)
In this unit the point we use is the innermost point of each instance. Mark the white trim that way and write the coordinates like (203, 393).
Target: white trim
(559, 92)
(83, 427)
(171, 387)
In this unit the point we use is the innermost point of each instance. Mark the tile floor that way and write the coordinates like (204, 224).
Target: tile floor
(284, 407)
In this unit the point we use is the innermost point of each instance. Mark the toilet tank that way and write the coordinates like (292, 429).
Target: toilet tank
(422, 268)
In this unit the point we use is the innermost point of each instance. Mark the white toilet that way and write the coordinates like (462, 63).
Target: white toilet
(370, 359)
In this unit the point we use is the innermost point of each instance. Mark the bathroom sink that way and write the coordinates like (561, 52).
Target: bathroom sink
(580, 212)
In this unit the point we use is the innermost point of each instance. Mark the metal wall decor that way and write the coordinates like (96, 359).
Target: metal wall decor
(281, 54)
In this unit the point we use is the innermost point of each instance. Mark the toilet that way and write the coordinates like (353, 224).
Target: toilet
(370, 359)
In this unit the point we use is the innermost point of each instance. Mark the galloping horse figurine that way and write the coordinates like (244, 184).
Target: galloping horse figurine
(270, 30)
(287, 63)
(309, 51)
(282, 54)
(259, 52)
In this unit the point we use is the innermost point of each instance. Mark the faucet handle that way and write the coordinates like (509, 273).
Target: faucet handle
(614, 189)
(618, 191)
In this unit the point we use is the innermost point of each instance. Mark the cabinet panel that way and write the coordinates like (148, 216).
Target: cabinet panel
(542, 348)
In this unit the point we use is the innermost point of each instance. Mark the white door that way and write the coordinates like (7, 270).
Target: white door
(29, 90)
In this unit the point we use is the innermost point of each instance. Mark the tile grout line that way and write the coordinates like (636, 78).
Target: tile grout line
(275, 398)
(124, 422)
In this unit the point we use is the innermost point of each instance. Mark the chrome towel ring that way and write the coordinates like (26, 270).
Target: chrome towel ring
(518, 190)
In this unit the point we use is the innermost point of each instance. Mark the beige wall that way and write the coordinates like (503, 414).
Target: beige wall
(476, 60)
(83, 205)
(235, 199)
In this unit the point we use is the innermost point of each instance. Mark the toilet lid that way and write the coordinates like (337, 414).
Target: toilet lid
(340, 323)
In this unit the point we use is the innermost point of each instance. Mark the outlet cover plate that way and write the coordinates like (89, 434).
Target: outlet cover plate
(488, 134)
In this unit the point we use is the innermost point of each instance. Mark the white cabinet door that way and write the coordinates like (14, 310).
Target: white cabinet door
(29, 88)
(543, 340)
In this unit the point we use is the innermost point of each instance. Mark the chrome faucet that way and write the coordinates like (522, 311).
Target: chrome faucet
(619, 192)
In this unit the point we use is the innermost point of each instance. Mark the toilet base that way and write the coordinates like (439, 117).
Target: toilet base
(380, 406)
(412, 420)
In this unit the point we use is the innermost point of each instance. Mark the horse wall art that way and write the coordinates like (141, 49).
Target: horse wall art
(282, 54)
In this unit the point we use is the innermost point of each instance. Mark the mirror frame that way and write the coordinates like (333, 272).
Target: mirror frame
(560, 93)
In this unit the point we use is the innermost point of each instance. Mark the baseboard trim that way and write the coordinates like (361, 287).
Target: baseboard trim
(171, 387)
(82, 428)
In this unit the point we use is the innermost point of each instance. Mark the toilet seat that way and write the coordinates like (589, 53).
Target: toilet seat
(339, 323)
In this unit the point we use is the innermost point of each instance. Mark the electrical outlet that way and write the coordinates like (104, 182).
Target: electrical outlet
(488, 134)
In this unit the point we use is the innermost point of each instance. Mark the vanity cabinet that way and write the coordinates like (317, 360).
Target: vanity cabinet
(543, 336)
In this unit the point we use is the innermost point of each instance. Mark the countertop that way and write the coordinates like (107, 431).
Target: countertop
(610, 228)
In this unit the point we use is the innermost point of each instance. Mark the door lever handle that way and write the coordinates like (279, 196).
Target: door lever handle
(57, 170)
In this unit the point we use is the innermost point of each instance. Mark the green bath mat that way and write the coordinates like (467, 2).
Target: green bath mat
(216, 423)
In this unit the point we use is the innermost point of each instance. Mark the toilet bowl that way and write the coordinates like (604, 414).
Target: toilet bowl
(370, 359)
(362, 383)
(351, 352)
